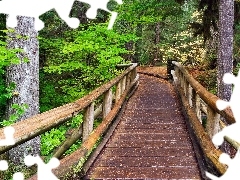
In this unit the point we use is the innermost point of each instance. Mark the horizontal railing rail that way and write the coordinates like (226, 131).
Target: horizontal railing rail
(111, 104)
(199, 104)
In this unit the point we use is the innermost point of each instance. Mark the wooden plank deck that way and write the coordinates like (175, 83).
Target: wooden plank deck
(151, 140)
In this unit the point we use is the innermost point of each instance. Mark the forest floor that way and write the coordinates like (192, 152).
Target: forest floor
(205, 77)
(156, 70)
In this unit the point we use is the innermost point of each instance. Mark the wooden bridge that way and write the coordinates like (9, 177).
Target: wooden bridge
(152, 128)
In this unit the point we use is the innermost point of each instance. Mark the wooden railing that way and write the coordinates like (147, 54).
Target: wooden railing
(199, 104)
(41, 123)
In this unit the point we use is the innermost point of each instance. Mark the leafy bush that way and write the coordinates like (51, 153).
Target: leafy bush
(76, 64)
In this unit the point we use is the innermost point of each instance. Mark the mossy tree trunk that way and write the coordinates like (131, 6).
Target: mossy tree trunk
(25, 75)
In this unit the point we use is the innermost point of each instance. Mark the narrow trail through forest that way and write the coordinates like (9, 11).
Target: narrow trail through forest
(151, 139)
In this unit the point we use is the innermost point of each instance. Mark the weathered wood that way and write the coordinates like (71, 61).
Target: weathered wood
(204, 140)
(88, 121)
(98, 111)
(206, 96)
(212, 125)
(190, 95)
(123, 83)
(153, 74)
(203, 106)
(186, 88)
(148, 150)
(198, 107)
(107, 103)
(170, 67)
(128, 79)
(118, 90)
(181, 79)
(120, 66)
(134, 74)
(38, 124)
(186, 84)
(77, 134)
(73, 163)
(235, 144)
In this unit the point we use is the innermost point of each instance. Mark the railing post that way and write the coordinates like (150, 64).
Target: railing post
(212, 125)
(170, 67)
(123, 84)
(88, 121)
(107, 102)
(177, 74)
(181, 80)
(198, 107)
(118, 90)
(128, 79)
(134, 73)
(186, 85)
(190, 95)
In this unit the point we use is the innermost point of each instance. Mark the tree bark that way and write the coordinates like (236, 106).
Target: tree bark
(225, 52)
(225, 49)
(25, 75)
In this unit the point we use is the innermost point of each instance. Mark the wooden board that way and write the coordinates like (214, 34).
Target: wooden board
(151, 140)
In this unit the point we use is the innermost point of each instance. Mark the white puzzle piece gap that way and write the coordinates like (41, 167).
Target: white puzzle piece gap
(18, 176)
(3, 165)
(9, 139)
(35, 8)
(101, 4)
(44, 170)
(232, 131)
(232, 172)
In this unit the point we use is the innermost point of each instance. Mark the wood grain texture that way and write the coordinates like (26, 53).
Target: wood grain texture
(151, 139)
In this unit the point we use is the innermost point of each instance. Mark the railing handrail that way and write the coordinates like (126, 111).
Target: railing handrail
(197, 100)
(209, 98)
(43, 122)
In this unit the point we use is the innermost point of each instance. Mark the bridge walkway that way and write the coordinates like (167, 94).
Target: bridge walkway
(151, 140)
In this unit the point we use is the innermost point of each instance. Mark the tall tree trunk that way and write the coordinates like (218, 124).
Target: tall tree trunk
(225, 50)
(26, 78)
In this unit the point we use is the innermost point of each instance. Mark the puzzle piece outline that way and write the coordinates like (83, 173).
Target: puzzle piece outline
(43, 170)
(9, 136)
(231, 131)
(62, 7)
(232, 170)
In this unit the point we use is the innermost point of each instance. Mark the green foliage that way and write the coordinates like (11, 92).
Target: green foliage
(75, 64)
(18, 111)
(7, 57)
(75, 121)
(52, 139)
(79, 62)
(74, 147)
